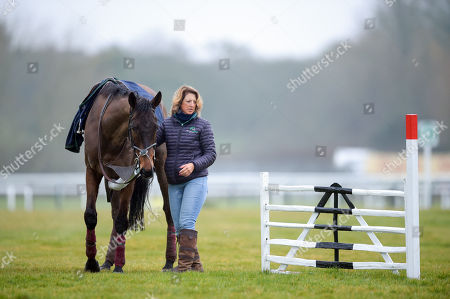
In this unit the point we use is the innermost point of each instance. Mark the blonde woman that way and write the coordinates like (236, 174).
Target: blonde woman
(190, 151)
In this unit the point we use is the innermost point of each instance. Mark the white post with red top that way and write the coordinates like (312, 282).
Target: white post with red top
(412, 199)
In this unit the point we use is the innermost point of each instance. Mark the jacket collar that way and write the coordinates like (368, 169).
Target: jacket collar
(194, 116)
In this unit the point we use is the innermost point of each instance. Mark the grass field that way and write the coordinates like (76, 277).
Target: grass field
(47, 249)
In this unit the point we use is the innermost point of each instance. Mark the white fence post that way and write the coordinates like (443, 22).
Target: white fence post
(265, 231)
(11, 194)
(28, 198)
(412, 199)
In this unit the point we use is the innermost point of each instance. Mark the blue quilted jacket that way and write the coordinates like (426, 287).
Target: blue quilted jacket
(192, 141)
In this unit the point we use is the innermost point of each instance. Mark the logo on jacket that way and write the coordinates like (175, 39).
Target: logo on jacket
(192, 130)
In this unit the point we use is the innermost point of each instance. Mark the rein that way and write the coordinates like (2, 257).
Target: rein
(120, 183)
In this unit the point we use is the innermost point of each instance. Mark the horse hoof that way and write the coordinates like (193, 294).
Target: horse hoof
(92, 266)
(118, 269)
(167, 267)
(106, 266)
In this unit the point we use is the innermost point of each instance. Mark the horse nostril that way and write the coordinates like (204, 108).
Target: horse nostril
(147, 173)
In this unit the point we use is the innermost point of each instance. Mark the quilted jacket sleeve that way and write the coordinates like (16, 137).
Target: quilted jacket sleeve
(160, 135)
(208, 149)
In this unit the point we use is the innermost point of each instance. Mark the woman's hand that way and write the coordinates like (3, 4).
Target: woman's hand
(186, 169)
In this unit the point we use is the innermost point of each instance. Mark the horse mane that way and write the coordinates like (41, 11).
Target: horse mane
(114, 89)
(143, 105)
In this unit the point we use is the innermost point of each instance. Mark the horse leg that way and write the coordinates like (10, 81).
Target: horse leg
(171, 245)
(113, 197)
(121, 226)
(90, 218)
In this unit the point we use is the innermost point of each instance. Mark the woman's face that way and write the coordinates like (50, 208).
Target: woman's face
(189, 103)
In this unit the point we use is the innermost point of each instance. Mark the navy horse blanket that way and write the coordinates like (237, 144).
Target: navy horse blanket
(75, 137)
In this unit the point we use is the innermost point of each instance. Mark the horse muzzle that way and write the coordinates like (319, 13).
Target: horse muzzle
(147, 173)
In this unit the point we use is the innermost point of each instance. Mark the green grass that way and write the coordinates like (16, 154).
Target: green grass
(49, 250)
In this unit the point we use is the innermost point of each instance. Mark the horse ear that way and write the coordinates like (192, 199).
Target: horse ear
(132, 99)
(156, 100)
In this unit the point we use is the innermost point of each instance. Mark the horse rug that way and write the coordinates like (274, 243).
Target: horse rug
(75, 137)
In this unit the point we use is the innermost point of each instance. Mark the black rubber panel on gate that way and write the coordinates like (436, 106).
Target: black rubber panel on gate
(326, 264)
(332, 210)
(333, 245)
(333, 189)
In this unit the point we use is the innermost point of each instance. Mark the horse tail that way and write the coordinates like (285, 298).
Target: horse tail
(137, 203)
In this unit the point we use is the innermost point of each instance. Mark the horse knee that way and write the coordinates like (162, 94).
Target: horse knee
(90, 218)
(121, 224)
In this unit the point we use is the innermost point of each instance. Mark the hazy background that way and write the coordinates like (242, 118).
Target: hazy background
(240, 56)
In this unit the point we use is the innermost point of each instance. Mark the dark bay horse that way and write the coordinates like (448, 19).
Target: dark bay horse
(120, 136)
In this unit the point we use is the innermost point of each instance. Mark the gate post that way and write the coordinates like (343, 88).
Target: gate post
(265, 231)
(412, 200)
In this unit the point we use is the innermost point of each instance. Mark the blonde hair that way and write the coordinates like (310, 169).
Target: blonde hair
(179, 95)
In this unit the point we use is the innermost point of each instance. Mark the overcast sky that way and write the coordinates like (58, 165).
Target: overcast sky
(269, 29)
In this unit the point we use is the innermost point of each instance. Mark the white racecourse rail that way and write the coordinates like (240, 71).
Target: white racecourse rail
(411, 216)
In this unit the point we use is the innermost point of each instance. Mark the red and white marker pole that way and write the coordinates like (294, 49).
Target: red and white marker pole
(412, 199)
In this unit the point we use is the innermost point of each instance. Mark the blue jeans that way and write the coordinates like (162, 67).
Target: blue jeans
(186, 200)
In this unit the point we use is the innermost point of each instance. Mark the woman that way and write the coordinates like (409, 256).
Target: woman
(190, 151)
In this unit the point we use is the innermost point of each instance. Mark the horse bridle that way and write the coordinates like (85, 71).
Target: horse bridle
(120, 183)
(142, 152)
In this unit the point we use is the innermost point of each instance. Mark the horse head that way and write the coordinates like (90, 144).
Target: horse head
(142, 131)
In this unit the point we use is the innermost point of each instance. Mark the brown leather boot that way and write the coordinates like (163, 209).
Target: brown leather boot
(186, 252)
(196, 264)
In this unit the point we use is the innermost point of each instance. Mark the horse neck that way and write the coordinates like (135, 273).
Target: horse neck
(115, 123)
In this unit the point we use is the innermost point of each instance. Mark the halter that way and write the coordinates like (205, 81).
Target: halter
(120, 183)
